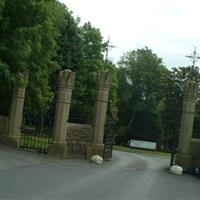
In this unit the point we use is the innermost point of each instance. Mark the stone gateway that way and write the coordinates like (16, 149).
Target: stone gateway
(69, 140)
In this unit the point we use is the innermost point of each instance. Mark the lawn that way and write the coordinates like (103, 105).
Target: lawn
(34, 142)
(141, 151)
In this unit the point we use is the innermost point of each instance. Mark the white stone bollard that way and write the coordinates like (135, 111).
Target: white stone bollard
(176, 169)
(96, 159)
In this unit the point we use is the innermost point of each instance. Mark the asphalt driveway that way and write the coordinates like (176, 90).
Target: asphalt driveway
(128, 176)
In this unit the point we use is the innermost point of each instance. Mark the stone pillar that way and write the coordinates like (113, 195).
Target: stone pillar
(103, 84)
(183, 157)
(65, 86)
(16, 111)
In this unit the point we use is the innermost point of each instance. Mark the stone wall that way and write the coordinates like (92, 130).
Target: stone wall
(78, 136)
(195, 151)
(4, 120)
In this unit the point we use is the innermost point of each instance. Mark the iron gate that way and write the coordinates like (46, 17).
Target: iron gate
(109, 134)
(36, 131)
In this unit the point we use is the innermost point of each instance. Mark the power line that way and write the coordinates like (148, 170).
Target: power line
(194, 57)
(108, 48)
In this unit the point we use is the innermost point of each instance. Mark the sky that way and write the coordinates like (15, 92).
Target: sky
(171, 28)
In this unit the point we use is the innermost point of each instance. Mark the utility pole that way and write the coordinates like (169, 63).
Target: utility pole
(108, 48)
(194, 57)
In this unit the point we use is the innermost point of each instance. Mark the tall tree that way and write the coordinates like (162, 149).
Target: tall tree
(171, 113)
(140, 75)
(43, 36)
(19, 23)
(29, 35)
(82, 50)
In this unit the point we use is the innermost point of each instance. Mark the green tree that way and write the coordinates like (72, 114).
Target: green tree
(140, 75)
(171, 112)
(18, 24)
(29, 35)
(82, 49)
(43, 36)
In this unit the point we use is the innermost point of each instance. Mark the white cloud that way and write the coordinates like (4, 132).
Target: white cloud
(169, 27)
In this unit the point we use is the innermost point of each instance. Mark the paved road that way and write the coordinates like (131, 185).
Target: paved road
(128, 176)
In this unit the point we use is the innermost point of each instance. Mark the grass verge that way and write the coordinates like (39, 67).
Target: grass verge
(34, 142)
(140, 151)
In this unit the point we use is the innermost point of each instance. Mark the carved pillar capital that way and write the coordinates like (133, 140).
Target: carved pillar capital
(66, 79)
(190, 91)
(104, 80)
(21, 80)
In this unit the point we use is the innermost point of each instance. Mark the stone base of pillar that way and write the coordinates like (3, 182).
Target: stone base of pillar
(12, 142)
(95, 149)
(58, 150)
(184, 161)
